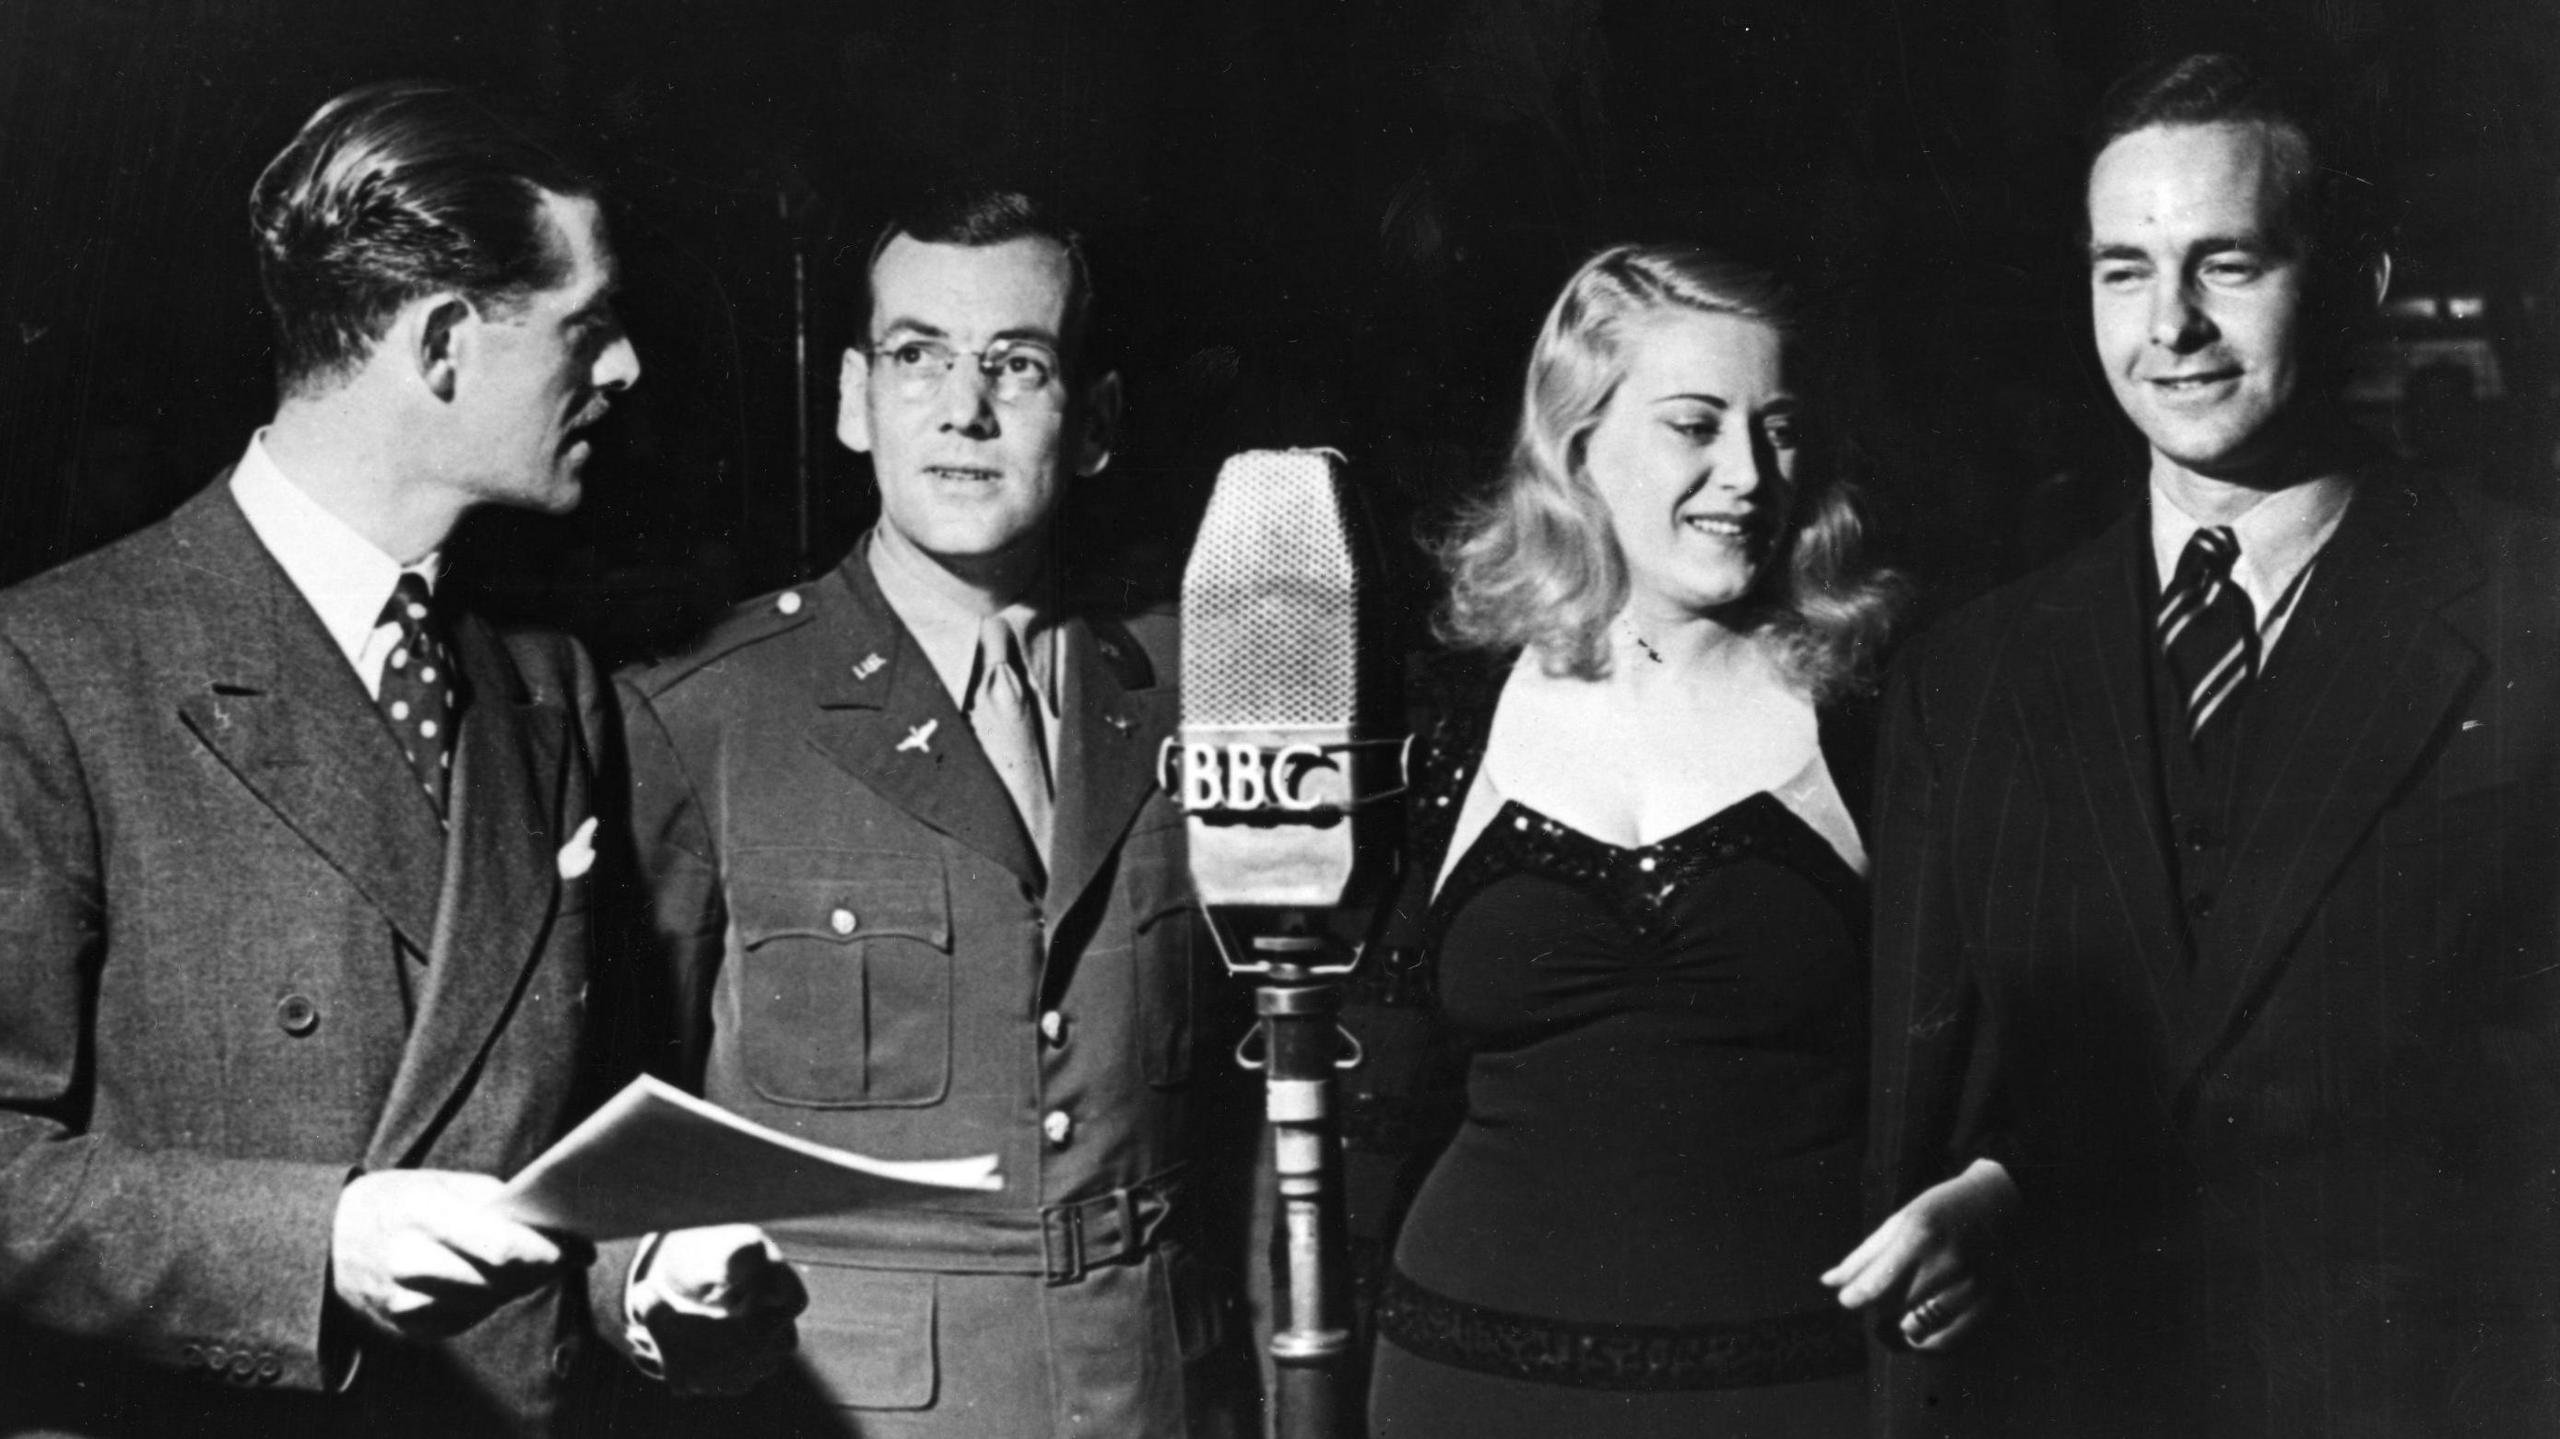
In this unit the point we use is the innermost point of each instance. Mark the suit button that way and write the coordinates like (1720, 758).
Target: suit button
(1058, 1125)
(297, 1015)
(190, 1355)
(1053, 1027)
(564, 1358)
(842, 921)
(2197, 835)
(243, 1364)
(270, 1370)
(215, 1357)
(2200, 905)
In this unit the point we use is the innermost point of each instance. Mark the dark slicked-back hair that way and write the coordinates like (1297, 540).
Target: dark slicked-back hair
(2335, 211)
(980, 217)
(394, 191)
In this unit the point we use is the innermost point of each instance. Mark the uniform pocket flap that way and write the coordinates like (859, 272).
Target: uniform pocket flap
(839, 896)
(868, 1335)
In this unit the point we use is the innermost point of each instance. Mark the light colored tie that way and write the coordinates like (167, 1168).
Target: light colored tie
(1008, 725)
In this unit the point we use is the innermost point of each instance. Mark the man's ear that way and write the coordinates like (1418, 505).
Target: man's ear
(853, 402)
(1101, 425)
(433, 334)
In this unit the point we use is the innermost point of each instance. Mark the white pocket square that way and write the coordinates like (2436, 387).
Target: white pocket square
(579, 854)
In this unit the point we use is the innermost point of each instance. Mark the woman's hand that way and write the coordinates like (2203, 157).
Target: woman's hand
(1928, 1257)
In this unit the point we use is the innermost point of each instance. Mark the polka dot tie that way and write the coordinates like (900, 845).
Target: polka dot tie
(420, 692)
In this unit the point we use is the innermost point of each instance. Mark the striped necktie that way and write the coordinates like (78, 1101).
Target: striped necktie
(2209, 631)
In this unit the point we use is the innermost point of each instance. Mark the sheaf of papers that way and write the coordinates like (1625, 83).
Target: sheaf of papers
(655, 1157)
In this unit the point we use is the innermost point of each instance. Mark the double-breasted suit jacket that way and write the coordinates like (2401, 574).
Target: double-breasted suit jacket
(241, 960)
(2277, 1069)
(867, 952)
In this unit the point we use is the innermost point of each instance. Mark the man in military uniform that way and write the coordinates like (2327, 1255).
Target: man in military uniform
(918, 893)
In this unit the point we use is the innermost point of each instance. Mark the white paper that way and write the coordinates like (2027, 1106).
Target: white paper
(654, 1157)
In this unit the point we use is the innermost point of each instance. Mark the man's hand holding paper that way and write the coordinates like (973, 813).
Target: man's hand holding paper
(714, 1310)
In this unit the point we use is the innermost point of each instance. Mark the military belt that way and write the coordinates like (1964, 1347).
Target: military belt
(1058, 1242)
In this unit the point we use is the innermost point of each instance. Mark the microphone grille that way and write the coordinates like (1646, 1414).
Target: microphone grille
(1270, 609)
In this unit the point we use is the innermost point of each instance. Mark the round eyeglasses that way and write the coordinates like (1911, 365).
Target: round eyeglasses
(916, 367)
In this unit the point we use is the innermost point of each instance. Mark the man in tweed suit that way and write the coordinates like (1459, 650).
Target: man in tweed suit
(295, 854)
(2216, 874)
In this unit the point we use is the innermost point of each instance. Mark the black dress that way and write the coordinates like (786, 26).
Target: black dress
(1665, 1102)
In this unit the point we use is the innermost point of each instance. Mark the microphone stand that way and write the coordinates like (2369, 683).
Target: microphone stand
(1303, 1046)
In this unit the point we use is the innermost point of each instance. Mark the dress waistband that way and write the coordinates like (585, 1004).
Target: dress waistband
(1820, 1343)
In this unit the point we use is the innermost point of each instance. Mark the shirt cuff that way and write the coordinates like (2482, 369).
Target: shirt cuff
(639, 1294)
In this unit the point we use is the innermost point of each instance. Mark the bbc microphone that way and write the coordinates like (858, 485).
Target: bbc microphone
(1286, 764)
(1288, 773)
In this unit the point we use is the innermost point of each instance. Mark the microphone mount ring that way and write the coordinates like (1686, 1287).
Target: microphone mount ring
(1354, 1054)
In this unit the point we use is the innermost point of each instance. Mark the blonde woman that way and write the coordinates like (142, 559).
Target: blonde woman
(1648, 920)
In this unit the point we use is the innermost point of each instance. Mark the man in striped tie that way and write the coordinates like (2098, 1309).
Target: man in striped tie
(2218, 972)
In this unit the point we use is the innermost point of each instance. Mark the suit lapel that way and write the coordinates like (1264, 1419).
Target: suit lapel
(2357, 692)
(1107, 745)
(280, 707)
(501, 884)
(2101, 762)
(884, 718)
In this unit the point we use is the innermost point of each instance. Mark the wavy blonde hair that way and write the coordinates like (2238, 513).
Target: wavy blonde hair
(1535, 561)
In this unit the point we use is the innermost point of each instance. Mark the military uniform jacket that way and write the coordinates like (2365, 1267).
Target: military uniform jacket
(240, 960)
(864, 951)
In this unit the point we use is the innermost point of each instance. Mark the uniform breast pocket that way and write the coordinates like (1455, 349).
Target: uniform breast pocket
(843, 978)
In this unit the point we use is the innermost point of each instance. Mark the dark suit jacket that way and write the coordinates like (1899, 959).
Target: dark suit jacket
(863, 948)
(2282, 1093)
(241, 962)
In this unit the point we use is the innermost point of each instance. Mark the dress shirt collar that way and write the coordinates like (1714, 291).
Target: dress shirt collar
(344, 578)
(944, 620)
(2278, 537)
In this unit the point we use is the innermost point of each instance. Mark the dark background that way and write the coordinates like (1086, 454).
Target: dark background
(1330, 222)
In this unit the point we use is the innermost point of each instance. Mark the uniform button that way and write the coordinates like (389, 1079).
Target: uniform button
(2198, 835)
(788, 602)
(842, 921)
(2200, 905)
(297, 1015)
(1053, 1027)
(1057, 1124)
